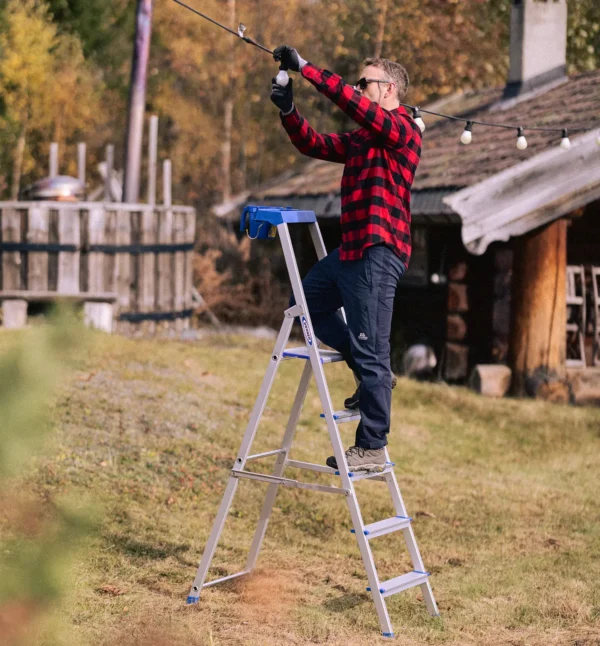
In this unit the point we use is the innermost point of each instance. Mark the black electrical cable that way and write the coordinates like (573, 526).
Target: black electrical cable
(415, 109)
(235, 33)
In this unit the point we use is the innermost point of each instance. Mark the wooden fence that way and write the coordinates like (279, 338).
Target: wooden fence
(130, 264)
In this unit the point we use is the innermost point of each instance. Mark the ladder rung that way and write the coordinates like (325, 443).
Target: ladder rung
(294, 464)
(327, 356)
(257, 456)
(287, 482)
(400, 583)
(226, 578)
(345, 415)
(382, 527)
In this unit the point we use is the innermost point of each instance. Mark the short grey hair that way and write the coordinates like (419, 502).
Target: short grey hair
(395, 71)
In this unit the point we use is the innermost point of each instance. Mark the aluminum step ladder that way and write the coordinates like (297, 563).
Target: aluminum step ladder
(264, 223)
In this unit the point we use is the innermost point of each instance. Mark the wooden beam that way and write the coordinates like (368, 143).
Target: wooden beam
(47, 296)
(538, 326)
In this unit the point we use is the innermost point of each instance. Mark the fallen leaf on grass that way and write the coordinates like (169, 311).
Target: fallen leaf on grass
(111, 590)
(427, 514)
(553, 542)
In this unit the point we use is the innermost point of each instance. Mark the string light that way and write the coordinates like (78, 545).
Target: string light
(467, 135)
(418, 119)
(521, 141)
(565, 144)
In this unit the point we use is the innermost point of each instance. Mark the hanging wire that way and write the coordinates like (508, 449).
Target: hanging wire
(415, 109)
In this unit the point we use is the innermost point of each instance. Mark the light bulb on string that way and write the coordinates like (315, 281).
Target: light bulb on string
(418, 119)
(467, 135)
(565, 143)
(521, 141)
(598, 139)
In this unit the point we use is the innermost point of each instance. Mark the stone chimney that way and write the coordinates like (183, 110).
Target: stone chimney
(538, 45)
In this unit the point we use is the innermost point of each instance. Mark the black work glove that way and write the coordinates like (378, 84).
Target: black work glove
(283, 97)
(289, 58)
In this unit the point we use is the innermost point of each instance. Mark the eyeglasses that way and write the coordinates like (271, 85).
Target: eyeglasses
(362, 83)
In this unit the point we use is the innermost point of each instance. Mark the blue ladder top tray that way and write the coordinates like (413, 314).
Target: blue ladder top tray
(255, 216)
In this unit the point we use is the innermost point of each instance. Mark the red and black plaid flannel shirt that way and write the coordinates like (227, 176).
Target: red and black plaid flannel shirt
(380, 161)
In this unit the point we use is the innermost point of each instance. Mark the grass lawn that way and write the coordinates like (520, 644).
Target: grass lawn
(504, 496)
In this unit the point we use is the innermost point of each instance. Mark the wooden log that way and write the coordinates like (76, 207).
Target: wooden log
(190, 235)
(538, 317)
(96, 258)
(147, 271)
(99, 316)
(179, 273)
(37, 261)
(547, 385)
(68, 261)
(458, 300)
(456, 361)
(11, 260)
(491, 380)
(14, 314)
(165, 300)
(456, 327)
(122, 269)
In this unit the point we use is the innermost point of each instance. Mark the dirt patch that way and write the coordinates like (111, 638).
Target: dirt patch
(267, 595)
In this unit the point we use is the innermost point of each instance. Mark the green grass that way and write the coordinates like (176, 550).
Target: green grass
(504, 495)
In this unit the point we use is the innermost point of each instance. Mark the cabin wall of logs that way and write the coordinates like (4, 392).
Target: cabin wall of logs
(129, 265)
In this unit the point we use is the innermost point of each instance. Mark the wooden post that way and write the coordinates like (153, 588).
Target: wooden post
(37, 261)
(137, 101)
(167, 183)
(152, 159)
(110, 163)
(53, 159)
(538, 329)
(81, 155)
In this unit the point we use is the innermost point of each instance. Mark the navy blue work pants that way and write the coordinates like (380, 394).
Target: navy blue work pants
(366, 289)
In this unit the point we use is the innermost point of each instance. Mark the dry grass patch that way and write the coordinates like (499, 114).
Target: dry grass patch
(503, 493)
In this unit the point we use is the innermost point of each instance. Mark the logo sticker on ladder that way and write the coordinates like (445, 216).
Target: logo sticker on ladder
(306, 330)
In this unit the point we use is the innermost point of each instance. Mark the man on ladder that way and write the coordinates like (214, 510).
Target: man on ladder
(380, 159)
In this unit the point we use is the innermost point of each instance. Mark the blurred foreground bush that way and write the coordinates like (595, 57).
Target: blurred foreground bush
(38, 533)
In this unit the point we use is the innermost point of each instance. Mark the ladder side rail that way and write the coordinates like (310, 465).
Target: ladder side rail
(279, 468)
(240, 462)
(265, 389)
(336, 442)
(213, 539)
(410, 540)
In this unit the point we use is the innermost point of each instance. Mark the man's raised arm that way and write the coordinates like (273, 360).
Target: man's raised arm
(330, 147)
(394, 130)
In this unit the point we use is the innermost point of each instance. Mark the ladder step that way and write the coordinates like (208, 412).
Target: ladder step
(327, 356)
(401, 583)
(382, 527)
(345, 415)
(362, 475)
(287, 482)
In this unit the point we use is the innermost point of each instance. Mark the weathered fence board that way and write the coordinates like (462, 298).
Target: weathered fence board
(179, 236)
(148, 270)
(123, 268)
(11, 260)
(68, 261)
(96, 258)
(37, 233)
